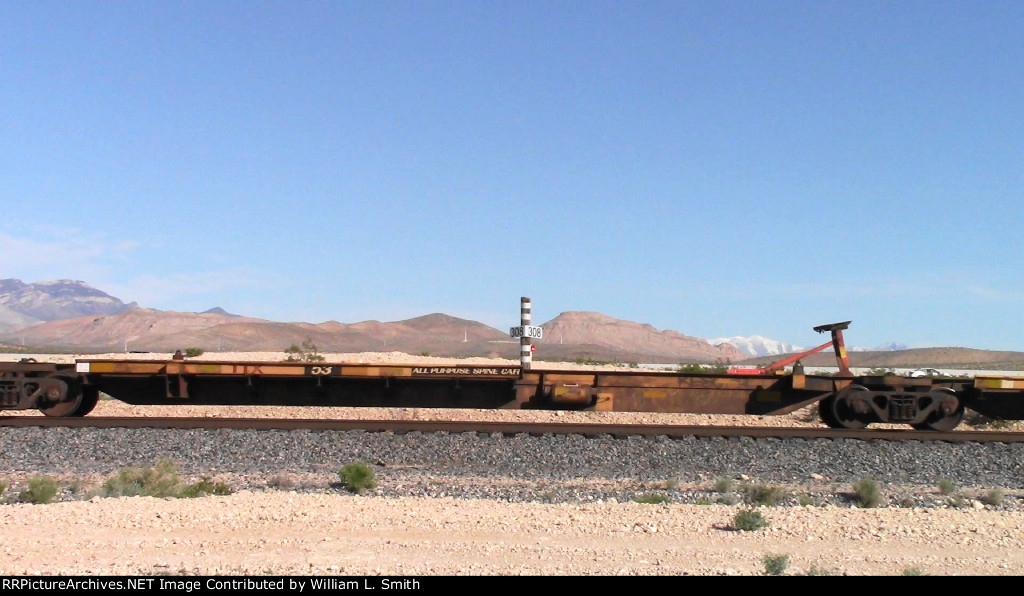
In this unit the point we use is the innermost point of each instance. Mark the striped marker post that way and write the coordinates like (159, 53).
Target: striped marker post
(525, 319)
(526, 333)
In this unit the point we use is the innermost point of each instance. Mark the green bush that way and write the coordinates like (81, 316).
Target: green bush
(808, 501)
(775, 564)
(193, 352)
(867, 492)
(652, 499)
(41, 490)
(3, 487)
(203, 488)
(161, 480)
(749, 520)
(947, 486)
(358, 477)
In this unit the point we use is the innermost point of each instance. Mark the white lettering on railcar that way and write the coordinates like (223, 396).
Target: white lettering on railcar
(464, 370)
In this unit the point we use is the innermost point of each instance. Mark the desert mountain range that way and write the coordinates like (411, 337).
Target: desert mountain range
(575, 336)
(70, 315)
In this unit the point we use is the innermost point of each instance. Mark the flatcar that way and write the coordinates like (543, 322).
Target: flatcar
(844, 400)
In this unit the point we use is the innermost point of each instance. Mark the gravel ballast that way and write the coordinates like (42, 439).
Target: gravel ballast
(519, 468)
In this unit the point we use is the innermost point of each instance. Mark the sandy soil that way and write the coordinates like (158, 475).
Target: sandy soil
(315, 534)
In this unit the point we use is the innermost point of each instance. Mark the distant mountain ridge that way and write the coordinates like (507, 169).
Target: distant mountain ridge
(23, 305)
(68, 315)
(757, 345)
(590, 328)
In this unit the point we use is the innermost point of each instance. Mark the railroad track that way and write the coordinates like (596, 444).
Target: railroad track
(512, 428)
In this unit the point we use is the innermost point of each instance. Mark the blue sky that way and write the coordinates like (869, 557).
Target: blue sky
(717, 168)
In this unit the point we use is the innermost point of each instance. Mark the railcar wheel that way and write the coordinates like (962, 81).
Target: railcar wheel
(825, 412)
(844, 410)
(62, 409)
(58, 402)
(90, 397)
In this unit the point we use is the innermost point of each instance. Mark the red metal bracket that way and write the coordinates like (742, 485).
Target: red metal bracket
(842, 359)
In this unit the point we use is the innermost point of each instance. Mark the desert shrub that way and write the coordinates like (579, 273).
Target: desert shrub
(358, 477)
(161, 480)
(748, 520)
(947, 486)
(203, 488)
(993, 497)
(808, 501)
(3, 487)
(762, 495)
(913, 571)
(867, 492)
(670, 484)
(775, 564)
(652, 499)
(281, 481)
(723, 484)
(193, 352)
(78, 487)
(41, 490)
(307, 352)
(728, 499)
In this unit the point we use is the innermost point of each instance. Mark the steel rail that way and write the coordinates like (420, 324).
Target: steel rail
(510, 428)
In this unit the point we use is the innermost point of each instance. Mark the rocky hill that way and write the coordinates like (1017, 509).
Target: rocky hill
(570, 336)
(591, 331)
(23, 305)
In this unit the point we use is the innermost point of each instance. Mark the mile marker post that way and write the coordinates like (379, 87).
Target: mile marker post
(525, 332)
